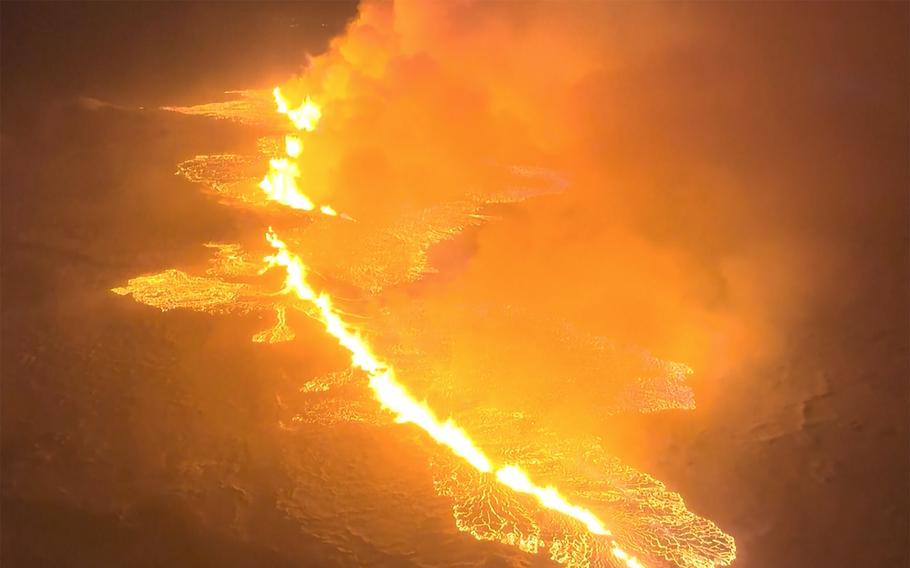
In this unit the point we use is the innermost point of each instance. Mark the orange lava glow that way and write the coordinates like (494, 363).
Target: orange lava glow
(281, 183)
(393, 396)
(533, 329)
(305, 116)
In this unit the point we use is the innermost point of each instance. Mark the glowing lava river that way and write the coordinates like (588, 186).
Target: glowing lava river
(394, 397)
(590, 509)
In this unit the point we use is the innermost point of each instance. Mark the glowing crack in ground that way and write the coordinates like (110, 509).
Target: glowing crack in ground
(394, 397)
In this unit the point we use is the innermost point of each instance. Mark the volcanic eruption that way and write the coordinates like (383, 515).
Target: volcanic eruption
(512, 478)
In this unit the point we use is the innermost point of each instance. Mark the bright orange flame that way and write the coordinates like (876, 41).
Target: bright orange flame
(293, 146)
(304, 117)
(548, 497)
(280, 183)
(390, 392)
(395, 397)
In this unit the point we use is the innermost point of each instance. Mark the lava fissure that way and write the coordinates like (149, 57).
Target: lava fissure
(394, 396)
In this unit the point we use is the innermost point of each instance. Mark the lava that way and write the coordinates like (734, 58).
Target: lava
(305, 117)
(281, 182)
(644, 515)
(393, 396)
(492, 501)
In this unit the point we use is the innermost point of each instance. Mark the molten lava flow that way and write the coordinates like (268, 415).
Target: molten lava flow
(395, 397)
(304, 117)
(293, 146)
(280, 183)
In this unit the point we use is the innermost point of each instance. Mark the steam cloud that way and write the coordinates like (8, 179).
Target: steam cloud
(694, 213)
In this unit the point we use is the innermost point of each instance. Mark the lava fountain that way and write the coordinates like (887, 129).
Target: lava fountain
(613, 516)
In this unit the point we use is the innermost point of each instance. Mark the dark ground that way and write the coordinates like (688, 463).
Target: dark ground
(114, 416)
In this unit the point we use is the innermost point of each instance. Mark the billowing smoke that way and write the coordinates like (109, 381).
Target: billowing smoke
(694, 207)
